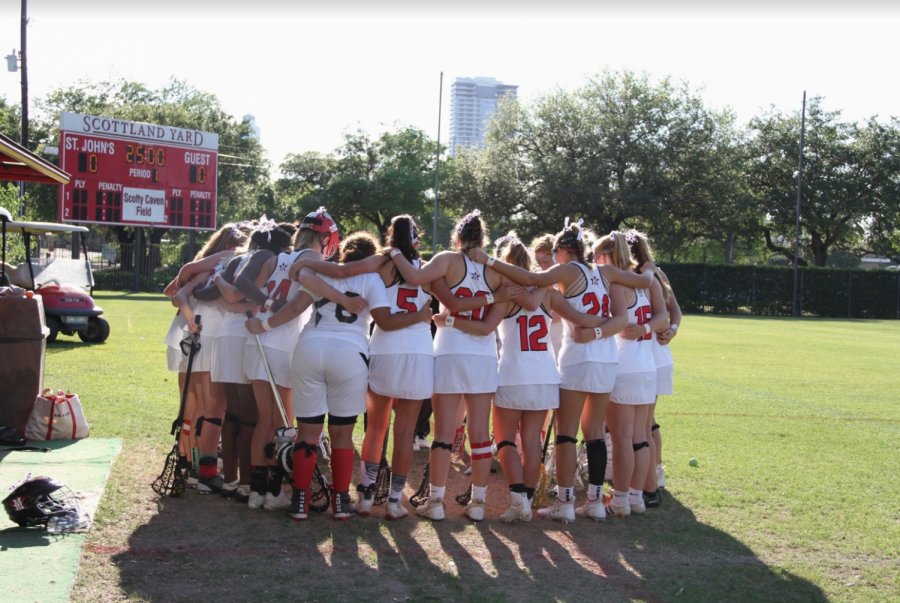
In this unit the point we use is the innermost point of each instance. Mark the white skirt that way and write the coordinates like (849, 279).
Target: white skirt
(279, 364)
(541, 396)
(665, 380)
(635, 388)
(203, 358)
(228, 359)
(588, 377)
(402, 376)
(176, 360)
(465, 374)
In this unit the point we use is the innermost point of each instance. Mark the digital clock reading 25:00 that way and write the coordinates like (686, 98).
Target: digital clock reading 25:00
(135, 174)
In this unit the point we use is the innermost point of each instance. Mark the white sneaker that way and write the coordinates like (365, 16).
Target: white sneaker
(432, 508)
(614, 509)
(593, 509)
(559, 511)
(230, 489)
(256, 500)
(364, 500)
(395, 510)
(660, 477)
(421, 442)
(637, 508)
(282, 502)
(475, 510)
(519, 509)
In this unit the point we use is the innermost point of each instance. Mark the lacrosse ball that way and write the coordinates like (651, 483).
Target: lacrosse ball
(693, 462)
(29, 294)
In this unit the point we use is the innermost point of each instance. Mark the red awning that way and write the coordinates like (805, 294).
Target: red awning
(21, 165)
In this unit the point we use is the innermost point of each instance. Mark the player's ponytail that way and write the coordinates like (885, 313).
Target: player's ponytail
(230, 236)
(510, 249)
(470, 232)
(402, 234)
(272, 237)
(639, 243)
(616, 247)
(577, 240)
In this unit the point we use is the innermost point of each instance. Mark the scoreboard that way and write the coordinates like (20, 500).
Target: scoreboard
(128, 173)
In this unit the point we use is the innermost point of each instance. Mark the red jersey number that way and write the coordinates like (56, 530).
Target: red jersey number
(477, 313)
(643, 317)
(596, 307)
(403, 299)
(531, 342)
(278, 293)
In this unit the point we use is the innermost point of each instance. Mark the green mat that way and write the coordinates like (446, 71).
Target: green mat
(35, 565)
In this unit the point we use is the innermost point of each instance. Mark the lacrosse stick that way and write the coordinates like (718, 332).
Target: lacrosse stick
(422, 493)
(543, 483)
(383, 478)
(319, 497)
(284, 436)
(171, 481)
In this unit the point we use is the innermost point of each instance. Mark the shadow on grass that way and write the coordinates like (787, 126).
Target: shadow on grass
(205, 547)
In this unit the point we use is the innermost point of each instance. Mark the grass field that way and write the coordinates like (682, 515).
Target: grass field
(796, 424)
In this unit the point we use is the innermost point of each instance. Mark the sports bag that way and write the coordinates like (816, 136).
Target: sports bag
(56, 417)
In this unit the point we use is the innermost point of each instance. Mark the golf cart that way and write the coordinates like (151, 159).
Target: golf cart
(68, 308)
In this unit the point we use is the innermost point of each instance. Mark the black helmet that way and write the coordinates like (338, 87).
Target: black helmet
(35, 500)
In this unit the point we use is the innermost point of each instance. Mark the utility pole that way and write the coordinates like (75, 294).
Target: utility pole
(24, 134)
(437, 171)
(796, 311)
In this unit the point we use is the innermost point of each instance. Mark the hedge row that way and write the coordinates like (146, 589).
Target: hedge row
(769, 291)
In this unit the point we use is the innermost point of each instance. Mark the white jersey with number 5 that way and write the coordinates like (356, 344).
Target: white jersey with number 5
(453, 341)
(415, 339)
(636, 355)
(526, 352)
(332, 321)
(593, 300)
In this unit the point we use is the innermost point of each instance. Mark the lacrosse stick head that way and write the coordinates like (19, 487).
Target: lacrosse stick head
(171, 481)
(382, 483)
(422, 493)
(464, 498)
(319, 492)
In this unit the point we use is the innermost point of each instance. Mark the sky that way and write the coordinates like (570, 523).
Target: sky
(308, 71)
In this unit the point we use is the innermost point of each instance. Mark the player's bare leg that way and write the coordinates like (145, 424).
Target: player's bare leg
(213, 409)
(595, 442)
(249, 416)
(506, 425)
(642, 457)
(445, 407)
(478, 413)
(405, 418)
(620, 419)
(231, 426)
(378, 417)
(568, 417)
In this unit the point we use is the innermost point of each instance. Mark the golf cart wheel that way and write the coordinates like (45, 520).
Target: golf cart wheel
(97, 330)
(53, 325)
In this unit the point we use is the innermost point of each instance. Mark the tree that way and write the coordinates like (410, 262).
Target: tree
(366, 181)
(10, 119)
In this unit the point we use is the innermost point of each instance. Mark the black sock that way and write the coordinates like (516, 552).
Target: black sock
(518, 488)
(259, 478)
(276, 476)
(529, 492)
(596, 456)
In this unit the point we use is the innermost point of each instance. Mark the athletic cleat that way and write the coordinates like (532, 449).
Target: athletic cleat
(229, 490)
(519, 509)
(365, 500)
(298, 505)
(242, 494)
(255, 500)
(282, 502)
(559, 511)
(421, 443)
(652, 501)
(593, 509)
(340, 505)
(395, 510)
(637, 508)
(193, 479)
(431, 508)
(660, 477)
(621, 511)
(210, 485)
(475, 510)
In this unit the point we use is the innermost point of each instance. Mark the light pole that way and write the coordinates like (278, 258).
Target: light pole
(796, 311)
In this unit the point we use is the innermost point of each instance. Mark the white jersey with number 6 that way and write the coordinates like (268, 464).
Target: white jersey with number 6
(415, 339)
(453, 341)
(593, 300)
(526, 353)
(333, 321)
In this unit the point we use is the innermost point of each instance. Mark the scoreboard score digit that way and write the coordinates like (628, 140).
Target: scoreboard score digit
(133, 174)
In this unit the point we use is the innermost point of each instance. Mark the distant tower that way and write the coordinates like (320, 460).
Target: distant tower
(472, 101)
(253, 125)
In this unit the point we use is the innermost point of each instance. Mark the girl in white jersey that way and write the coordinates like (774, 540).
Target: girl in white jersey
(587, 371)
(528, 379)
(329, 370)
(206, 402)
(662, 355)
(635, 382)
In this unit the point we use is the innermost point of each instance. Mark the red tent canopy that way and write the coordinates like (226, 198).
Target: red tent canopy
(21, 165)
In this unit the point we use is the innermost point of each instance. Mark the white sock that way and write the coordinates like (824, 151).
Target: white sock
(367, 473)
(595, 492)
(436, 491)
(635, 496)
(620, 498)
(478, 492)
(566, 493)
(659, 468)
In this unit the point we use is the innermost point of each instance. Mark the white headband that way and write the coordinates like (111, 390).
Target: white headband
(475, 213)
(578, 224)
(267, 226)
(512, 241)
(236, 231)
(631, 236)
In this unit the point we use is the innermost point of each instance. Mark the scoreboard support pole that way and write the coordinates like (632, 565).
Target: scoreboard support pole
(192, 243)
(75, 249)
(136, 259)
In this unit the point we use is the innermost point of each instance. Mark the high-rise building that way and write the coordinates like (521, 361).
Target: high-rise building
(253, 126)
(472, 101)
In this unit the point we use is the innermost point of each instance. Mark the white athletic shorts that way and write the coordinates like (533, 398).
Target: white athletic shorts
(665, 380)
(279, 364)
(176, 360)
(328, 380)
(465, 374)
(635, 388)
(541, 396)
(402, 376)
(228, 360)
(588, 377)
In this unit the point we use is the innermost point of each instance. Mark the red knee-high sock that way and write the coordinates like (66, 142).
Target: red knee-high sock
(342, 468)
(304, 464)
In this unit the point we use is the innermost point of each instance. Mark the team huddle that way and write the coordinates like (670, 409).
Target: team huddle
(570, 333)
